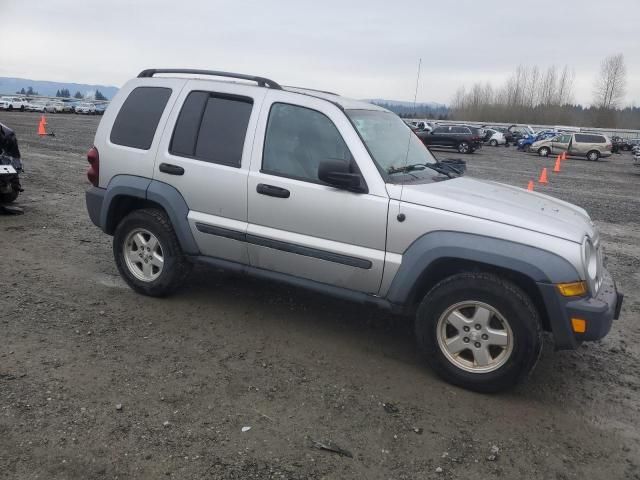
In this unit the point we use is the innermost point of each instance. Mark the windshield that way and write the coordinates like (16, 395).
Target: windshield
(391, 143)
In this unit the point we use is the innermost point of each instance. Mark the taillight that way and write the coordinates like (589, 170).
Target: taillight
(93, 173)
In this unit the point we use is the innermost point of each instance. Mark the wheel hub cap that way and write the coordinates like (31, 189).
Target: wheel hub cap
(143, 255)
(475, 337)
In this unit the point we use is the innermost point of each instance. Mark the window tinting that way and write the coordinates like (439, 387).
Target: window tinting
(587, 138)
(138, 117)
(297, 140)
(440, 130)
(212, 127)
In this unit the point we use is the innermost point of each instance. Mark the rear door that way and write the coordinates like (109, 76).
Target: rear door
(300, 226)
(205, 154)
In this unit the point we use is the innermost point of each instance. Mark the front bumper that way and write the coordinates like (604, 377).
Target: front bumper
(599, 313)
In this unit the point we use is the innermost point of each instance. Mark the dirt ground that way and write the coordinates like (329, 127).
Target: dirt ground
(99, 382)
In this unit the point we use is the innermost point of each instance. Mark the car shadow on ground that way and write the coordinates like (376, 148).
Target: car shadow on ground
(352, 325)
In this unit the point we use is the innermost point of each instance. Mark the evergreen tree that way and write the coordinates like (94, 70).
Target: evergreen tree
(78, 95)
(58, 93)
(100, 96)
(22, 92)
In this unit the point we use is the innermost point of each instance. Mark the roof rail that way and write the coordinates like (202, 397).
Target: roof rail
(261, 81)
(310, 90)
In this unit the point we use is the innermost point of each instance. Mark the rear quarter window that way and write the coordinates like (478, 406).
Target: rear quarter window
(137, 120)
(586, 138)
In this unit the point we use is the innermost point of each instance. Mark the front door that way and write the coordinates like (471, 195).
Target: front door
(297, 224)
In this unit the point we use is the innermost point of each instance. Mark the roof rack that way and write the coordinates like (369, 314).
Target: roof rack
(261, 81)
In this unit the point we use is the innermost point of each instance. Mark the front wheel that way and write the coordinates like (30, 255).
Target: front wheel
(148, 254)
(493, 143)
(544, 151)
(464, 147)
(479, 331)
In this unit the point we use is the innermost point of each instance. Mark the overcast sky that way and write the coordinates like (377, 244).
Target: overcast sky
(362, 49)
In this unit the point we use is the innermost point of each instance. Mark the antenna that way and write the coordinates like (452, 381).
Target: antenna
(406, 157)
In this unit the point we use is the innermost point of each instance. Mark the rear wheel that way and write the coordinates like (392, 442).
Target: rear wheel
(479, 331)
(493, 143)
(544, 151)
(593, 155)
(464, 147)
(148, 254)
(9, 197)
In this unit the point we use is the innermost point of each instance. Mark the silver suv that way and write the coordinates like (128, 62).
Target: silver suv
(339, 196)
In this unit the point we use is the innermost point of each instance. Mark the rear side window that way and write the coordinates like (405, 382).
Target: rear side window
(586, 138)
(212, 127)
(138, 117)
(440, 130)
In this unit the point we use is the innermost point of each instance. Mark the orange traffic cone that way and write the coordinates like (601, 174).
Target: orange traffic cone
(543, 177)
(564, 156)
(530, 186)
(556, 168)
(43, 119)
(41, 128)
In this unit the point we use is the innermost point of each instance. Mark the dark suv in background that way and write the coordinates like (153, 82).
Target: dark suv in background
(464, 138)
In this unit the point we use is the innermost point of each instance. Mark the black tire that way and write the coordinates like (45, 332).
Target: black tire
(493, 143)
(176, 266)
(464, 147)
(10, 107)
(593, 155)
(504, 296)
(9, 197)
(544, 151)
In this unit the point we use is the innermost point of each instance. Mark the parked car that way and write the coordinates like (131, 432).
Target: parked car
(67, 107)
(463, 138)
(508, 135)
(42, 106)
(494, 137)
(634, 142)
(100, 108)
(339, 196)
(13, 103)
(10, 166)
(527, 140)
(592, 146)
(85, 108)
(619, 144)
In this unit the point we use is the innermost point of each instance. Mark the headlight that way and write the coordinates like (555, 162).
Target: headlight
(591, 263)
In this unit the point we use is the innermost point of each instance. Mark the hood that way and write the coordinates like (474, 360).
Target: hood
(504, 204)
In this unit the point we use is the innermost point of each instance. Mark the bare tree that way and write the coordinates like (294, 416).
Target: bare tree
(610, 86)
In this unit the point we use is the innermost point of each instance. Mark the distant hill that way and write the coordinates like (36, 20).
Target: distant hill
(10, 85)
(408, 109)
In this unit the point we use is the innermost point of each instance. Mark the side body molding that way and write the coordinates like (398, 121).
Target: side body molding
(539, 265)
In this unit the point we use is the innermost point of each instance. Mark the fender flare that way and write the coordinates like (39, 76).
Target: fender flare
(539, 265)
(158, 192)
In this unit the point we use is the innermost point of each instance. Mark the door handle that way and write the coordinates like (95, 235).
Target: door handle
(171, 169)
(272, 191)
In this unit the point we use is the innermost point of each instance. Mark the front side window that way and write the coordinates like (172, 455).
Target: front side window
(298, 139)
(212, 127)
(138, 117)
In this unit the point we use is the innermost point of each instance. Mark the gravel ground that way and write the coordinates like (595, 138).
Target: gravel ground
(98, 382)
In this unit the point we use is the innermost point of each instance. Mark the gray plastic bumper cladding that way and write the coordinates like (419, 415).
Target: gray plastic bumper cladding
(599, 313)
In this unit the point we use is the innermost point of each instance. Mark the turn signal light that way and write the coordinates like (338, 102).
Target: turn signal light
(579, 325)
(574, 289)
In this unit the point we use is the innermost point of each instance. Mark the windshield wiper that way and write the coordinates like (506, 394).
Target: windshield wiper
(449, 168)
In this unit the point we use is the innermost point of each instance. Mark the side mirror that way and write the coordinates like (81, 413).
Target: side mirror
(336, 173)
